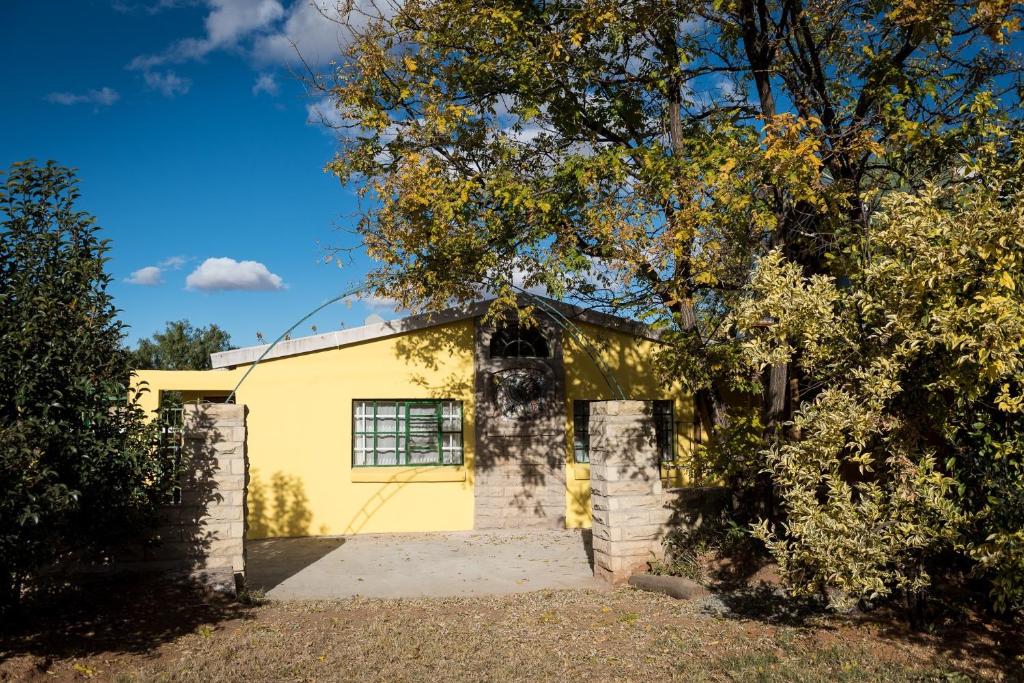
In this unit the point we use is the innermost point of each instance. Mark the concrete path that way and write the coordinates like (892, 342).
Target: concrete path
(420, 565)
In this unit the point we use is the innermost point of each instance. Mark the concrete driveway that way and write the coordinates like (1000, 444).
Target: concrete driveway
(419, 565)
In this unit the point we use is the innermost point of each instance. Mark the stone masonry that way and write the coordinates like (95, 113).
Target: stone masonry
(519, 472)
(630, 514)
(202, 538)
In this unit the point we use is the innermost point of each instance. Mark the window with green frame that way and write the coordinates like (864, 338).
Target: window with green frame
(581, 430)
(388, 433)
(664, 432)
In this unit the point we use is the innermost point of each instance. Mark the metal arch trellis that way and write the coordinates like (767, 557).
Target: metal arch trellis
(560, 319)
(345, 295)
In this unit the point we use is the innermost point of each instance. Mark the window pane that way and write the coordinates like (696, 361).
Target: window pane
(420, 432)
(451, 449)
(385, 457)
(386, 414)
(422, 409)
(451, 416)
(361, 410)
(360, 455)
(664, 432)
(513, 341)
(581, 430)
(423, 448)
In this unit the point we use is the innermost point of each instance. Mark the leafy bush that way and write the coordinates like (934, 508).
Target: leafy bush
(78, 471)
(913, 451)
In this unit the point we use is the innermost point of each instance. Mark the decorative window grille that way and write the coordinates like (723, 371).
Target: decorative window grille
(512, 340)
(389, 433)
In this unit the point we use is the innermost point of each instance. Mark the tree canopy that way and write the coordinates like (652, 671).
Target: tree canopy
(180, 347)
(746, 176)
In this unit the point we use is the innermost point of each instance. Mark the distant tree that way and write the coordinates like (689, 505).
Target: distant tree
(180, 347)
(78, 470)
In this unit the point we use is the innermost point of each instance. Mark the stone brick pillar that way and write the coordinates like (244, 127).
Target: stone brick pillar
(629, 511)
(204, 535)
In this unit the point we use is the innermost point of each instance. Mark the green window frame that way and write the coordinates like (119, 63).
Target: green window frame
(581, 431)
(664, 431)
(406, 432)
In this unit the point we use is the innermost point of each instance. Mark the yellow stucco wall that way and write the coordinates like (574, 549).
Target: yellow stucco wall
(630, 361)
(300, 435)
(300, 428)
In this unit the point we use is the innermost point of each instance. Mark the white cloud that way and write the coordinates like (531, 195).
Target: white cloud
(325, 112)
(150, 276)
(219, 274)
(228, 22)
(382, 302)
(103, 97)
(168, 83)
(154, 8)
(265, 83)
(231, 19)
(173, 262)
(381, 308)
(311, 30)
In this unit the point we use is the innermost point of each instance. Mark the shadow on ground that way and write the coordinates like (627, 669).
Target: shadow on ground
(133, 615)
(271, 561)
(962, 634)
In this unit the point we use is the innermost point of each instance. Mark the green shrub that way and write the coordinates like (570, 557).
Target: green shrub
(78, 471)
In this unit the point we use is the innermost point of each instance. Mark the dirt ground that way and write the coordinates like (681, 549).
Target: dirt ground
(139, 634)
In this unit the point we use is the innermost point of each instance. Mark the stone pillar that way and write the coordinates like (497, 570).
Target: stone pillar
(629, 511)
(204, 534)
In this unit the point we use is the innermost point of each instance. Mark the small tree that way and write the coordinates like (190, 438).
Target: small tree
(78, 471)
(180, 347)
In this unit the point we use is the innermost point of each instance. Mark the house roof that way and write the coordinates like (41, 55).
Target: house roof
(391, 328)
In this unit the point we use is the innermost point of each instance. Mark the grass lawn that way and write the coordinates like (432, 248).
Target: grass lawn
(623, 635)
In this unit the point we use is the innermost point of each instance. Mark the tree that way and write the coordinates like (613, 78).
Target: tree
(651, 158)
(640, 156)
(78, 471)
(180, 347)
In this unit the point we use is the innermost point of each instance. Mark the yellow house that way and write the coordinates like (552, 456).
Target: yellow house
(434, 422)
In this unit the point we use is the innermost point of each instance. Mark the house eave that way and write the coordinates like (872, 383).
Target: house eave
(412, 323)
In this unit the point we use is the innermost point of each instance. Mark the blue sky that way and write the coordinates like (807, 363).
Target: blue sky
(192, 141)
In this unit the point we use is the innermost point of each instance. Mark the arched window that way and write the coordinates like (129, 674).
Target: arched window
(515, 341)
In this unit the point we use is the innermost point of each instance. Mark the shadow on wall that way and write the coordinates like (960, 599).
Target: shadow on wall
(423, 350)
(184, 534)
(279, 507)
(201, 532)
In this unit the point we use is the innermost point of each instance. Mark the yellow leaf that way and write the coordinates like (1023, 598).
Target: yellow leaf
(410, 63)
(1006, 281)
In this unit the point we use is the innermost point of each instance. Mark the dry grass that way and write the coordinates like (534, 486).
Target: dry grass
(624, 635)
